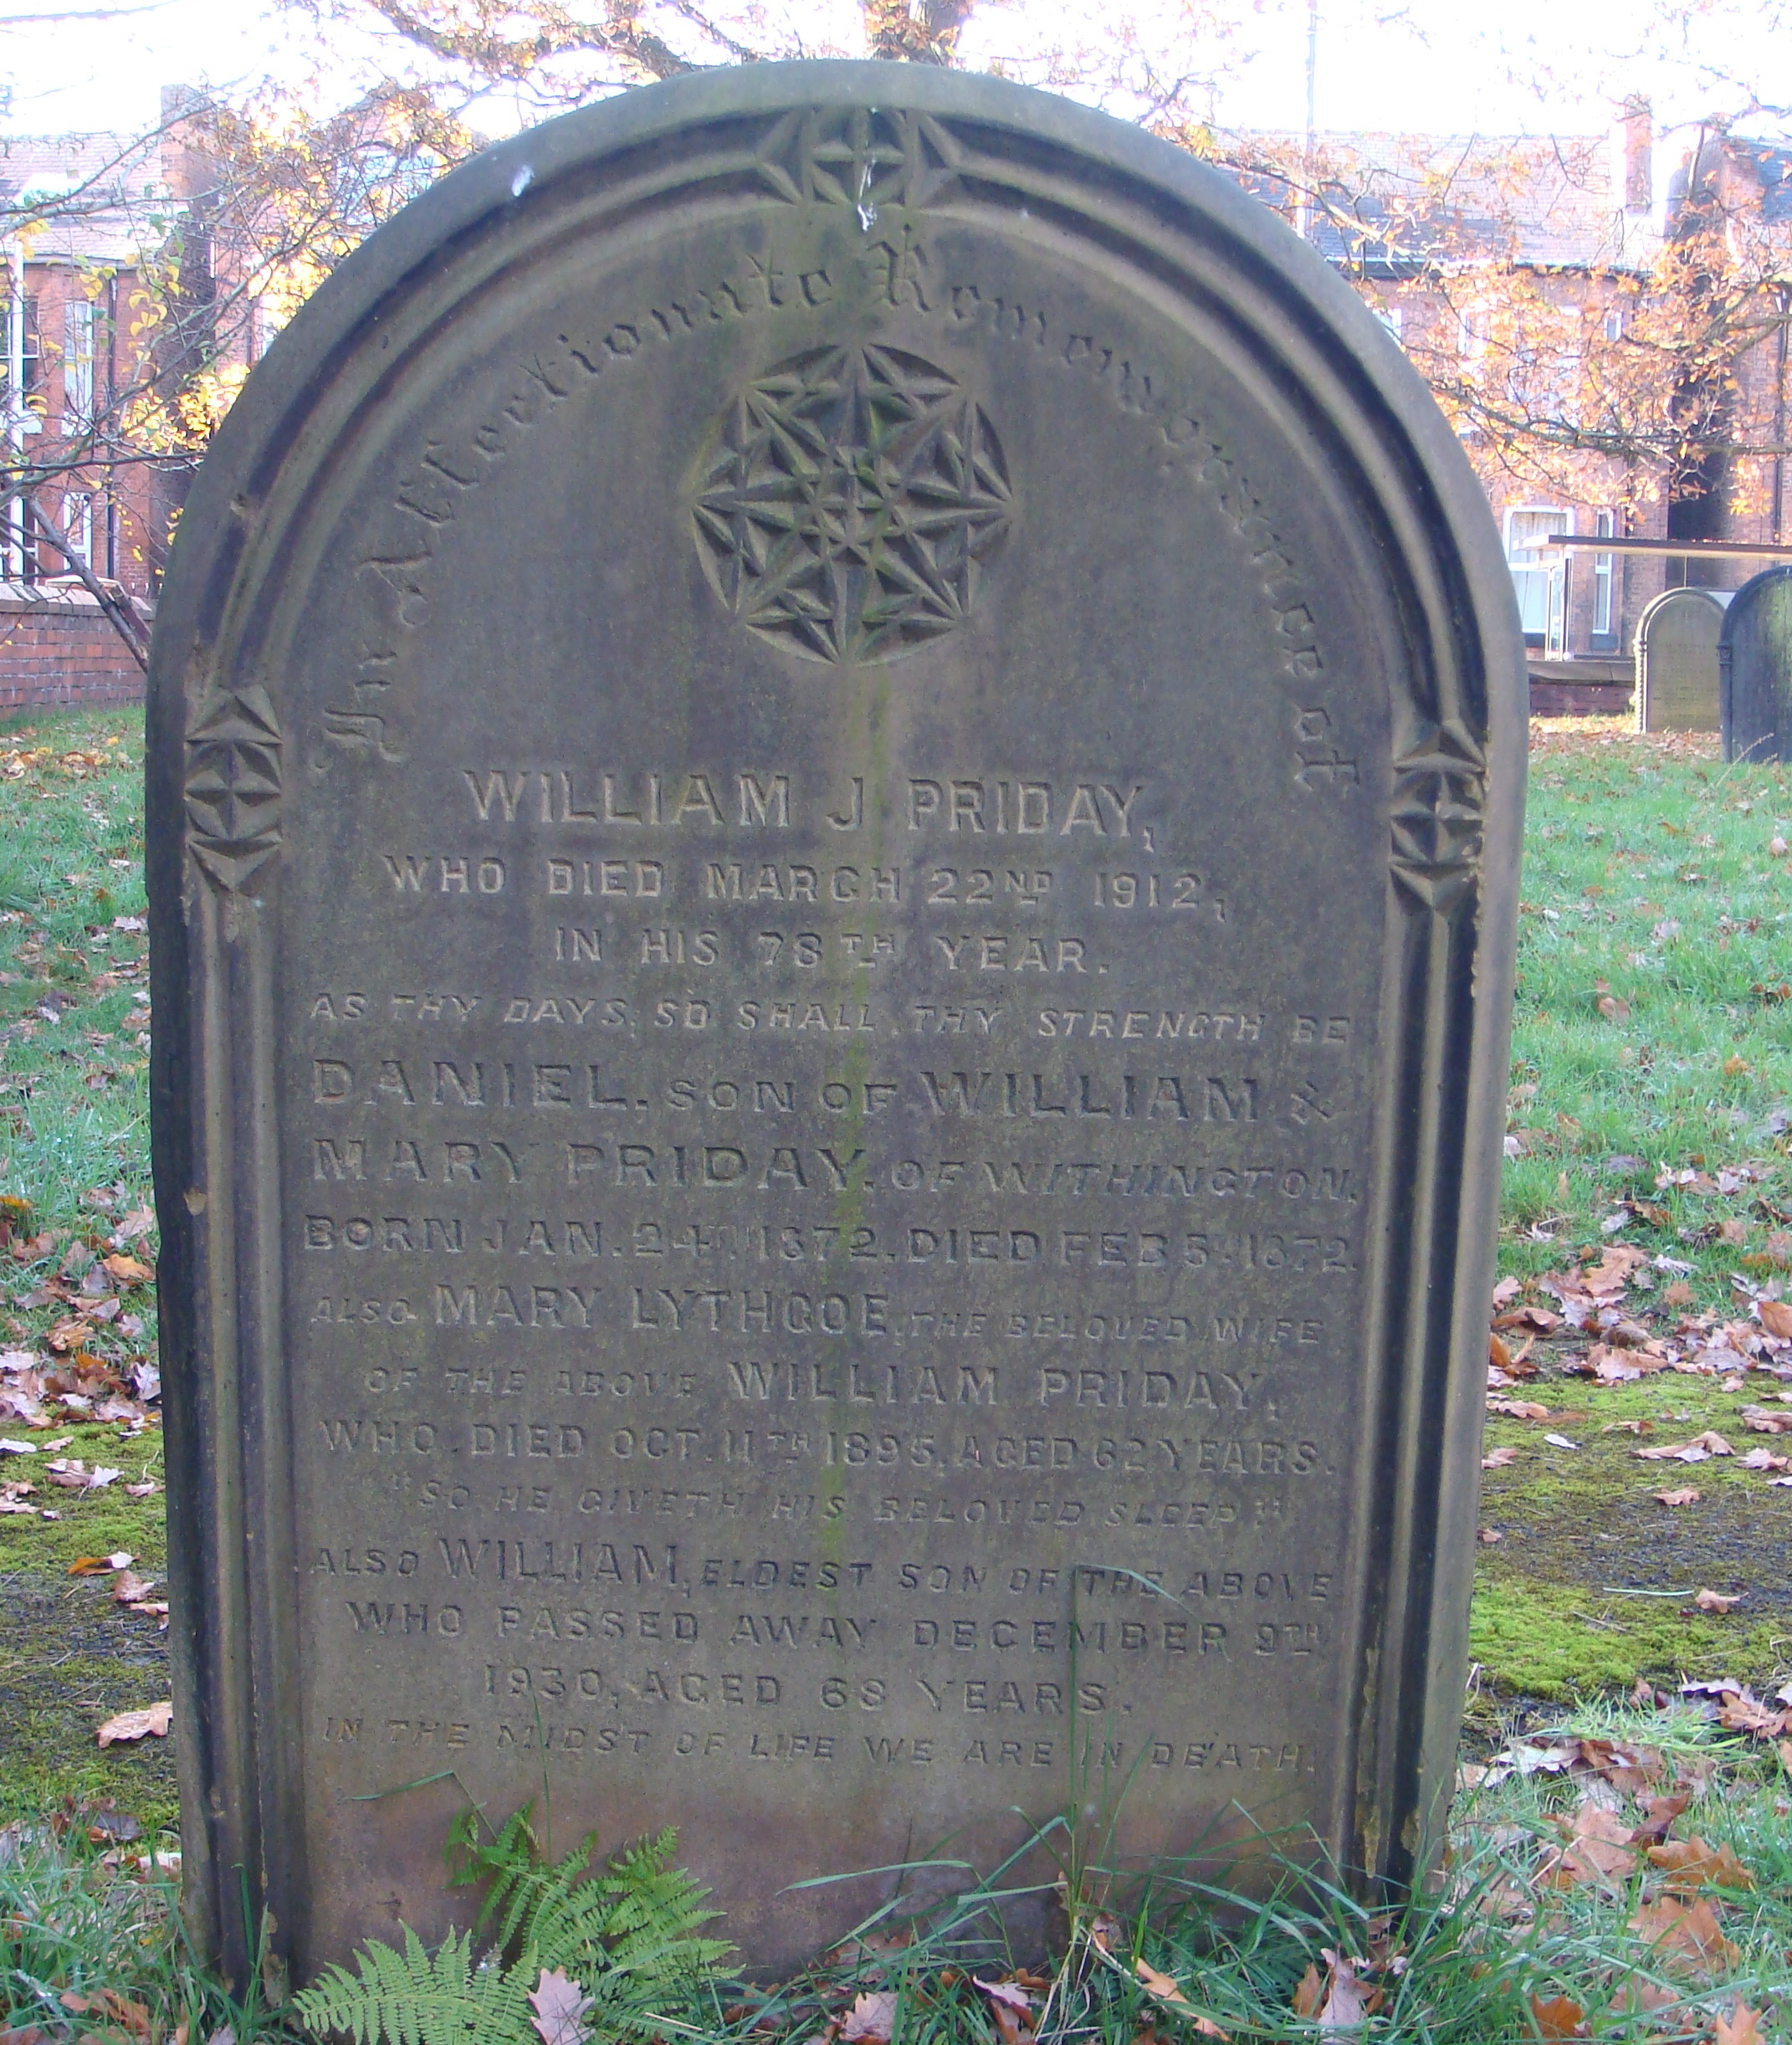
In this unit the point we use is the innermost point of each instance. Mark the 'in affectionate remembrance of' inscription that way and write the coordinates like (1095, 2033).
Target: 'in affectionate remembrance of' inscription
(821, 850)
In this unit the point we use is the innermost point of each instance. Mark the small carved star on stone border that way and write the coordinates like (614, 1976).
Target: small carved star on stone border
(233, 788)
(1440, 799)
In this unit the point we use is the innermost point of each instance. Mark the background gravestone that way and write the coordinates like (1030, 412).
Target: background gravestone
(836, 767)
(1677, 661)
(1754, 655)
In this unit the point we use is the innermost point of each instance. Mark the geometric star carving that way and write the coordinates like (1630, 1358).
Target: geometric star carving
(854, 498)
(1440, 799)
(233, 788)
(859, 156)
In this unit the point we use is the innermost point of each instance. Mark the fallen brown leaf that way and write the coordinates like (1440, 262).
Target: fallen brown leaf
(1518, 1409)
(871, 2019)
(1559, 2017)
(1687, 1931)
(1165, 1987)
(1599, 1852)
(114, 2008)
(559, 2005)
(1629, 1768)
(1498, 1458)
(1742, 2026)
(1715, 1601)
(1764, 1419)
(1692, 1864)
(1686, 1496)
(1741, 1712)
(1776, 1317)
(1658, 1820)
(1699, 1449)
(154, 1721)
(1332, 2000)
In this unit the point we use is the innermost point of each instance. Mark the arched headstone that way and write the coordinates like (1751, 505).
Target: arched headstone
(1754, 659)
(835, 767)
(1677, 661)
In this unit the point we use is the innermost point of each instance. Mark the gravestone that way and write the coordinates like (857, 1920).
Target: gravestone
(1754, 656)
(836, 765)
(1677, 661)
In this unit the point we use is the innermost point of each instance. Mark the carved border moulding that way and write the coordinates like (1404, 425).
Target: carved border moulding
(1439, 816)
(233, 787)
(859, 155)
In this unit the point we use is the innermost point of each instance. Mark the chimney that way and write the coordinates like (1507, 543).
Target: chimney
(1638, 130)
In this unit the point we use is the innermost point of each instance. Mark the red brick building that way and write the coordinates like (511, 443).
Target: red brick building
(1603, 317)
(89, 225)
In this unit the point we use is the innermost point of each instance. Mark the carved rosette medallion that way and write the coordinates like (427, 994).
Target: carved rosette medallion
(1440, 801)
(233, 787)
(852, 500)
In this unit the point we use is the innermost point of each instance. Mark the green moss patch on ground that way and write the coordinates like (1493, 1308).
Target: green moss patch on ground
(1652, 885)
(71, 1659)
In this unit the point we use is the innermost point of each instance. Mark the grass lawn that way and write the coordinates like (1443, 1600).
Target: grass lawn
(1651, 1088)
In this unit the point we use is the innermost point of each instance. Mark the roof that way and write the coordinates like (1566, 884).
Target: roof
(102, 196)
(1400, 201)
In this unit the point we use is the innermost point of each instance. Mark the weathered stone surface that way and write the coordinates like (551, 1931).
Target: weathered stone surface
(1677, 661)
(836, 771)
(1754, 655)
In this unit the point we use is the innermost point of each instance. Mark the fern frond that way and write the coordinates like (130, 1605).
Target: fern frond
(509, 1862)
(626, 1934)
(637, 1920)
(414, 1998)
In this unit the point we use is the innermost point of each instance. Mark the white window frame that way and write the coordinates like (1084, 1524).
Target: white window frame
(1604, 527)
(1537, 571)
(75, 529)
(79, 330)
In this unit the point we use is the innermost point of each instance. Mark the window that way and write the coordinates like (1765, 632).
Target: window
(78, 367)
(1614, 323)
(1538, 572)
(76, 533)
(1604, 524)
(1472, 328)
(20, 363)
(1393, 319)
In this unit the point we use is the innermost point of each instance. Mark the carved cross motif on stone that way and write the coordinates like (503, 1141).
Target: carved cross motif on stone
(852, 500)
(857, 156)
(233, 784)
(1440, 796)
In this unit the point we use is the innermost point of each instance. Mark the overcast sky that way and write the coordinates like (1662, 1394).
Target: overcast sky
(1530, 65)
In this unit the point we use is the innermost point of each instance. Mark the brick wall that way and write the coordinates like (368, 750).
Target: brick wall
(57, 647)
